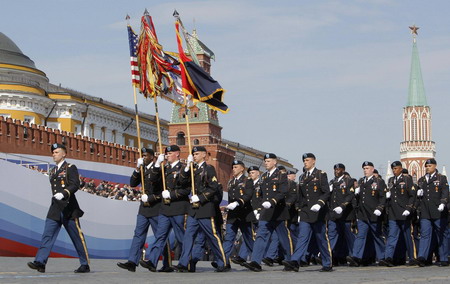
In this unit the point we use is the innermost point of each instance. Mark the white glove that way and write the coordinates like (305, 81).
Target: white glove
(420, 192)
(331, 187)
(440, 208)
(194, 199)
(159, 160)
(298, 220)
(166, 194)
(59, 196)
(144, 197)
(232, 205)
(377, 212)
(315, 208)
(406, 213)
(266, 204)
(140, 162)
(388, 194)
(257, 216)
(357, 191)
(255, 212)
(338, 210)
(190, 159)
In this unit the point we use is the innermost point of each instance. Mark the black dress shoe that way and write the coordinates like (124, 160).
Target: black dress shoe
(278, 260)
(148, 264)
(130, 266)
(225, 268)
(192, 266)
(303, 263)
(386, 262)
(267, 261)
(82, 269)
(421, 261)
(40, 267)
(181, 268)
(326, 269)
(253, 266)
(443, 264)
(290, 265)
(353, 261)
(238, 260)
(413, 262)
(166, 269)
(214, 264)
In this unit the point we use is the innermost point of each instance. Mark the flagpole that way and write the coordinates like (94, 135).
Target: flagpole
(166, 200)
(188, 132)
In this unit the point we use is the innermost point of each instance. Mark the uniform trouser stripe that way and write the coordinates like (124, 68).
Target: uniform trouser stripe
(219, 242)
(291, 246)
(328, 242)
(82, 239)
(413, 241)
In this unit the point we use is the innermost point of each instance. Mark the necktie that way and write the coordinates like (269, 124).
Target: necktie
(308, 174)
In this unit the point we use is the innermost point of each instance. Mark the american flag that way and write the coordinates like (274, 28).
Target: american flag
(133, 41)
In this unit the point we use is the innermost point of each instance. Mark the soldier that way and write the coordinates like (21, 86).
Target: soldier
(64, 210)
(401, 195)
(314, 193)
(341, 212)
(202, 212)
(371, 203)
(433, 195)
(273, 213)
(240, 214)
(173, 208)
(148, 209)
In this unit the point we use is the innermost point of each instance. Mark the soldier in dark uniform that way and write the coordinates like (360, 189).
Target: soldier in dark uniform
(240, 214)
(64, 211)
(274, 213)
(401, 195)
(371, 203)
(203, 211)
(433, 194)
(148, 209)
(314, 193)
(341, 213)
(174, 207)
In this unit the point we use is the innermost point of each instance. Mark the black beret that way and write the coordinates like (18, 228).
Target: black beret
(198, 149)
(252, 168)
(291, 173)
(405, 171)
(236, 162)
(375, 171)
(281, 168)
(57, 145)
(367, 163)
(172, 148)
(396, 164)
(431, 161)
(339, 166)
(148, 150)
(308, 155)
(270, 156)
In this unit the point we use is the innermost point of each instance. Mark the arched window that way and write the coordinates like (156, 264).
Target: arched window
(180, 139)
(196, 142)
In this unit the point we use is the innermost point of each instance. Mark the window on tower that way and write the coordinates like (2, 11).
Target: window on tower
(181, 139)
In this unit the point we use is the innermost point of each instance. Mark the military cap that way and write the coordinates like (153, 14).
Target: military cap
(431, 161)
(396, 164)
(367, 163)
(237, 162)
(172, 148)
(308, 155)
(375, 171)
(198, 149)
(57, 145)
(281, 168)
(252, 168)
(270, 156)
(148, 150)
(405, 171)
(291, 172)
(339, 166)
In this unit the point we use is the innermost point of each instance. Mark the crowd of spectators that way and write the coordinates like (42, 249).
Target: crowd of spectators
(110, 190)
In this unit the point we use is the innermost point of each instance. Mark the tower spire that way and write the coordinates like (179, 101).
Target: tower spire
(416, 92)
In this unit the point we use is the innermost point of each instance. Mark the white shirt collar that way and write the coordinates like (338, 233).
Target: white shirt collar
(271, 171)
(311, 171)
(340, 178)
(238, 176)
(60, 164)
(255, 181)
(369, 178)
(199, 165)
(174, 164)
(149, 165)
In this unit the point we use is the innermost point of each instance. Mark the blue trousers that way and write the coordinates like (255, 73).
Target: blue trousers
(399, 228)
(364, 229)
(265, 230)
(51, 231)
(304, 238)
(340, 231)
(165, 224)
(244, 251)
(208, 227)
(294, 228)
(427, 227)
(230, 236)
(140, 235)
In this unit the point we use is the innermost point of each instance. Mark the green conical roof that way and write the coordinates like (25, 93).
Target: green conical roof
(416, 92)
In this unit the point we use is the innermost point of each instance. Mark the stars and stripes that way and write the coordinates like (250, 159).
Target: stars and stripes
(133, 41)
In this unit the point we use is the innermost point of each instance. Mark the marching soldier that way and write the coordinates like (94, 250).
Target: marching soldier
(273, 213)
(173, 208)
(401, 195)
(433, 194)
(371, 203)
(314, 193)
(64, 211)
(341, 212)
(202, 212)
(148, 209)
(240, 214)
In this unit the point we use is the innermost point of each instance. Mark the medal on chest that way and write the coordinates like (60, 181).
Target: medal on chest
(241, 192)
(315, 188)
(274, 187)
(62, 183)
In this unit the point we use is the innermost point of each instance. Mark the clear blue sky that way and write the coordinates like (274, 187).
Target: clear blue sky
(328, 77)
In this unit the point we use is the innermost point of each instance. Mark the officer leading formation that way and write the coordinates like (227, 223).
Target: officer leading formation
(270, 218)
